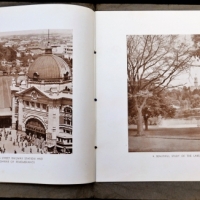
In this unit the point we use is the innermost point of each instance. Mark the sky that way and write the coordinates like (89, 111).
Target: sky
(194, 71)
(45, 31)
(187, 78)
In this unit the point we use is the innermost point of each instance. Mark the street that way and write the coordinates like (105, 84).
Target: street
(8, 144)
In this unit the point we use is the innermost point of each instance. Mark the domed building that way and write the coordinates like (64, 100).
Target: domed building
(42, 102)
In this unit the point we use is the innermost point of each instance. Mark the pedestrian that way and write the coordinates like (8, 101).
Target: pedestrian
(30, 150)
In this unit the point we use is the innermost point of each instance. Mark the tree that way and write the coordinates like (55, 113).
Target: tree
(18, 69)
(156, 105)
(7, 53)
(153, 62)
(196, 40)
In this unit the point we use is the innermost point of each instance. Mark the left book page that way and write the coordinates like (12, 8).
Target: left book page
(47, 113)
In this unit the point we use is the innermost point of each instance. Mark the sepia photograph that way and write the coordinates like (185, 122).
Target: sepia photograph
(36, 87)
(163, 93)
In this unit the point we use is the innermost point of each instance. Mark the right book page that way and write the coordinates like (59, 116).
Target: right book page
(148, 108)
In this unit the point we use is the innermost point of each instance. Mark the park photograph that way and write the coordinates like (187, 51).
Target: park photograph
(163, 93)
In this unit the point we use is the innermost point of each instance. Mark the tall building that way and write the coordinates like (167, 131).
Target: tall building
(196, 86)
(196, 82)
(42, 102)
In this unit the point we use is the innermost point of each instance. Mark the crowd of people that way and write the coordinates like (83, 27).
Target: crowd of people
(4, 133)
(26, 141)
(21, 143)
(17, 142)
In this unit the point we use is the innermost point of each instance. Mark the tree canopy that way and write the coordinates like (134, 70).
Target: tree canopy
(7, 53)
(153, 62)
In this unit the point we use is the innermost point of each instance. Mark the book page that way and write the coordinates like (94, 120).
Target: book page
(148, 96)
(47, 115)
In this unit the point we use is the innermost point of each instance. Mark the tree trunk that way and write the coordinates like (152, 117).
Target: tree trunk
(139, 123)
(146, 123)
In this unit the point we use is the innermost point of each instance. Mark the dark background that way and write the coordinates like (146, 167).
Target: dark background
(122, 190)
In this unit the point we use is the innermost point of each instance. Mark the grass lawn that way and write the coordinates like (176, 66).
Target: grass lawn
(169, 132)
(165, 140)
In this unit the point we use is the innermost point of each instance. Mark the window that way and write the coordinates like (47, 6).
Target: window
(44, 106)
(66, 76)
(16, 109)
(68, 122)
(27, 103)
(35, 76)
(32, 104)
(38, 105)
(67, 110)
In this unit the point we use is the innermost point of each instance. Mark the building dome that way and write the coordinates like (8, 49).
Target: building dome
(49, 67)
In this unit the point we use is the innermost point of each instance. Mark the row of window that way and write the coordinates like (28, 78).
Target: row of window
(68, 110)
(44, 107)
(67, 131)
(64, 140)
(68, 121)
(36, 105)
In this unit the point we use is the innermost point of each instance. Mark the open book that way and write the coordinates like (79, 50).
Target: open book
(98, 96)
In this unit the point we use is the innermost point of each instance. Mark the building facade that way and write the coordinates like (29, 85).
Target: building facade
(42, 102)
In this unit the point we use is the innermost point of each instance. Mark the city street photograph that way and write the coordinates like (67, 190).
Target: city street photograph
(36, 92)
(163, 93)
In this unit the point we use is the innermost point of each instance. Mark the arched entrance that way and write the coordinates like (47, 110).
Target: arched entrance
(36, 128)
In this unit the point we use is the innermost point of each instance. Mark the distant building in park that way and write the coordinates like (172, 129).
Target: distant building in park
(195, 86)
(42, 101)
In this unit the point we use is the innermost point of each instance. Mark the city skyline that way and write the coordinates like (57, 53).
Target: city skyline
(40, 31)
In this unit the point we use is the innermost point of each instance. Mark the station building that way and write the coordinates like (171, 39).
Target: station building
(42, 101)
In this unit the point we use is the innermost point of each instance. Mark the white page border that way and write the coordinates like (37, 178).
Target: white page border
(114, 162)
